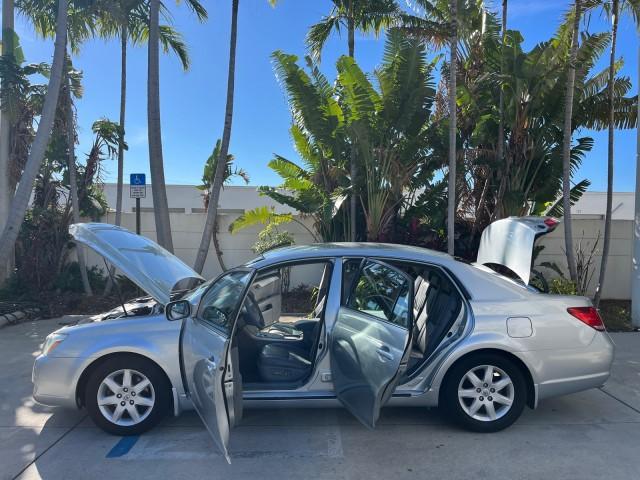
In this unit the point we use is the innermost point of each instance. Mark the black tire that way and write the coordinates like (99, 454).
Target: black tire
(159, 383)
(451, 404)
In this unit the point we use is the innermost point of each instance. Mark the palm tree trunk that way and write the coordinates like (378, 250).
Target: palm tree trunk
(210, 225)
(123, 106)
(500, 147)
(615, 8)
(451, 207)
(73, 182)
(20, 201)
(5, 134)
(566, 145)
(635, 265)
(353, 204)
(156, 162)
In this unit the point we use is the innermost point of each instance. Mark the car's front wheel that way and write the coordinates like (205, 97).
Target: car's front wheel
(484, 393)
(127, 395)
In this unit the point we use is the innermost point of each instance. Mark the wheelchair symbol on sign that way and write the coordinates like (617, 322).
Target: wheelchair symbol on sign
(138, 179)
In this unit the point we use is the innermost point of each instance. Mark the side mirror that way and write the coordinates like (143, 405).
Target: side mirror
(177, 310)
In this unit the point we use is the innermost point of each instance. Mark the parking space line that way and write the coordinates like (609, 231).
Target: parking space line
(37, 457)
(123, 446)
(618, 399)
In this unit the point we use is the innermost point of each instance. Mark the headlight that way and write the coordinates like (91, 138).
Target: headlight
(52, 341)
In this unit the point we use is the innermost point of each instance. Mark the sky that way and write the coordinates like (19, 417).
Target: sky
(192, 102)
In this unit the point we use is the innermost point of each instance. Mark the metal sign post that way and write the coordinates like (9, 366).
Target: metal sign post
(137, 190)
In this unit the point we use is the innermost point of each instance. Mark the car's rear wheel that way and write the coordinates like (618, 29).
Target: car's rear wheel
(484, 393)
(127, 395)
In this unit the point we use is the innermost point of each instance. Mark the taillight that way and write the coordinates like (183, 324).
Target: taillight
(551, 223)
(589, 316)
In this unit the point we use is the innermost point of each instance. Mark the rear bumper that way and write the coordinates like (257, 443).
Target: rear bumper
(54, 381)
(577, 370)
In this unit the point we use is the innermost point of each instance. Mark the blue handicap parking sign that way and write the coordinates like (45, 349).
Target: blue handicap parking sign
(138, 179)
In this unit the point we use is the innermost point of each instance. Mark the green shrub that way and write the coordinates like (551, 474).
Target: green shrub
(69, 279)
(562, 286)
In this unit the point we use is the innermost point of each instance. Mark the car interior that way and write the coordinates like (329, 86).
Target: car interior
(279, 327)
(437, 305)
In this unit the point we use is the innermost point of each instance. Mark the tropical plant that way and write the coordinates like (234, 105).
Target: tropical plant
(567, 137)
(613, 9)
(266, 216)
(231, 171)
(385, 117)
(208, 177)
(528, 180)
(210, 225)
(105, 146)
(67, 107)
(20, 200)
(451, 190)
(366, 16)
(270, 237)
(8, 56)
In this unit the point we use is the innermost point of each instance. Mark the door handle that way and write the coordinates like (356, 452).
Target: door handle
(385, 353)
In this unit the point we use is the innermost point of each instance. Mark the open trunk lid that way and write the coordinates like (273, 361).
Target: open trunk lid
(509, 242)
(147, 264)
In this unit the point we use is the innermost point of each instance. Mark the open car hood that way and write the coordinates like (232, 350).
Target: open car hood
(509, 242)
(147, 264)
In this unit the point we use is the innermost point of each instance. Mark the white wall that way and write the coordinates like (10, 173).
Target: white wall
(187, 231)
(585, 232)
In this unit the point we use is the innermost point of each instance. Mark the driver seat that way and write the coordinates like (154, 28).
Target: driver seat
(285, 362)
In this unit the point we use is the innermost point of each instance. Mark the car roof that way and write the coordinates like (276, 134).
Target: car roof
(479, 284)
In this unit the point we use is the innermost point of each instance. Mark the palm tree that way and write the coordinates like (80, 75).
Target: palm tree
(615, 11)
(210, 225)
(208, 175)
(20, 200)
(67, 106)
(129, 21)
(156, 161)
(366, 16)
(500, 146)
(5, 128)
(451, 202)
(566, 145)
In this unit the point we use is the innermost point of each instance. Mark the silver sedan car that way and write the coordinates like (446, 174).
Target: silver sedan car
(357, 325)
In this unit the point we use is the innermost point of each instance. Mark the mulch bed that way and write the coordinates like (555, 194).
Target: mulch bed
(616, 315)
(69, 303)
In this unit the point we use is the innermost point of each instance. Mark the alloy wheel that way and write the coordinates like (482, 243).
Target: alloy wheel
(486, 393)
(126, 397)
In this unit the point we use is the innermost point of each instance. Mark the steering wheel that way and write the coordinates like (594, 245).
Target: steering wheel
(215, 315)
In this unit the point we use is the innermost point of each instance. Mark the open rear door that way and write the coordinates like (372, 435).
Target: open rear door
(209, 358)
(370, 340)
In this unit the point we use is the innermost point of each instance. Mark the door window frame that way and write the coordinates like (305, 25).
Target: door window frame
(232, 323)
(344, 303)
(331, 261)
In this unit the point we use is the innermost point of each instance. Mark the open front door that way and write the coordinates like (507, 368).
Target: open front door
(209, 359)
(370, 341)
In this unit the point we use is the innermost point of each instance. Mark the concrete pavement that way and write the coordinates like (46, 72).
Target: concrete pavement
(593, 434)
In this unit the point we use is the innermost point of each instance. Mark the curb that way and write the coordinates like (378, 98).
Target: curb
(16, 317)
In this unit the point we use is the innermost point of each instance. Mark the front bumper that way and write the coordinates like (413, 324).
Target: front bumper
(54, 381)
